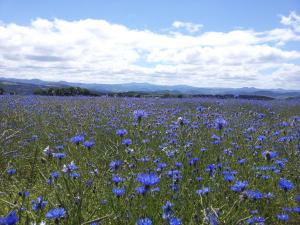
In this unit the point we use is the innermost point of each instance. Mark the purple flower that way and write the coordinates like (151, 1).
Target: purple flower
(144, 221)
(118, 191)
(286, 185)
(127, 141)
(56, 213)
(239, 186)
(88, 144)
(59, 155)
(114, 165)
(117, 179)
(268, 155)
(39, 203)
(69, 167)
(254, 195)
(11, 171)
(77, 139)
(283, 217)
(255, 220)
(167, 210)
(175, 221)
(10, 219)
(148, 179)
(203, 191)
(219, 123)
(139, 114)
(121, 132)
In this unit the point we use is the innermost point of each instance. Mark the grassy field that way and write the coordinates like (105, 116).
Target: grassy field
(100, 160)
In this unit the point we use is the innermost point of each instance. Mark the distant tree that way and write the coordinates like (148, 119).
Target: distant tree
(1, 91)
(69, 91)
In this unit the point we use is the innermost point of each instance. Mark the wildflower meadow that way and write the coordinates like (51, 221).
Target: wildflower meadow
(106, 160)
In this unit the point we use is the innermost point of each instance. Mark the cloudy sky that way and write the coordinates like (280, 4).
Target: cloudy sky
(209, 43)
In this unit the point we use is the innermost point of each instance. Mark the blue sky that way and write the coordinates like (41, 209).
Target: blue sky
(217, 15)
(219, 43)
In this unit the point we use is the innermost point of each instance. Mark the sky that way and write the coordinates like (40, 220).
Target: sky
(203, 43)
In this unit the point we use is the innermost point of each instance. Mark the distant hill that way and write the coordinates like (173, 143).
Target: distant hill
(24, 87)
(27, 87)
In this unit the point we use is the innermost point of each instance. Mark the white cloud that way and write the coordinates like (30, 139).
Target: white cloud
(98, 51)
(292, 20)
(190, 27)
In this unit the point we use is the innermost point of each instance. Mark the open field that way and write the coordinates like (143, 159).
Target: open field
(101, 160)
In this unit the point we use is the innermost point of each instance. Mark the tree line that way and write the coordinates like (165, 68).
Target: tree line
(65, 91)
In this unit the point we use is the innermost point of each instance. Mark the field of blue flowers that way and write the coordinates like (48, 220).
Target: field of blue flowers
(101, 160)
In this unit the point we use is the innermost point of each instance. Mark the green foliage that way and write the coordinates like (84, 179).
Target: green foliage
(66, 91)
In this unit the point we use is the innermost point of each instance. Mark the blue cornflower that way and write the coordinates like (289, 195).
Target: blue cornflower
(55, 174)
(175, 221)
(114, 165)
(174, 174)
(283, 217)
(203, 191)
(24, 194)
(74, 175)
(211, 168)
(242, 161)
(286, 185)
(59, 147)
(148, 179)
(261, 138)
(88, 144)
(141, 190)
(118, 191)
(251, 130)
(144, 221)
(178, 164)
(216, 139)
(268, 155)
(69, 167)
(200, 108)
(253, 212)
(219, 123)
(254, 195)
(229, 176)
(210, 217)
(280, 163)
(155, 189)
(94, 223)
(77, 139)
(193, 161)
(117, 179)
(203, 149)
(56, 213)
(59, 155)
(199, 179)
(297, 209)
(160, 166)
(10, 219)
(121, 132)
(297, 198)
(127, 141)
(287, 209)
(167, 210)
(239, 186)
(269, 195)
(39, 203)
(256, 219)
(139, 114)
(11, 171)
